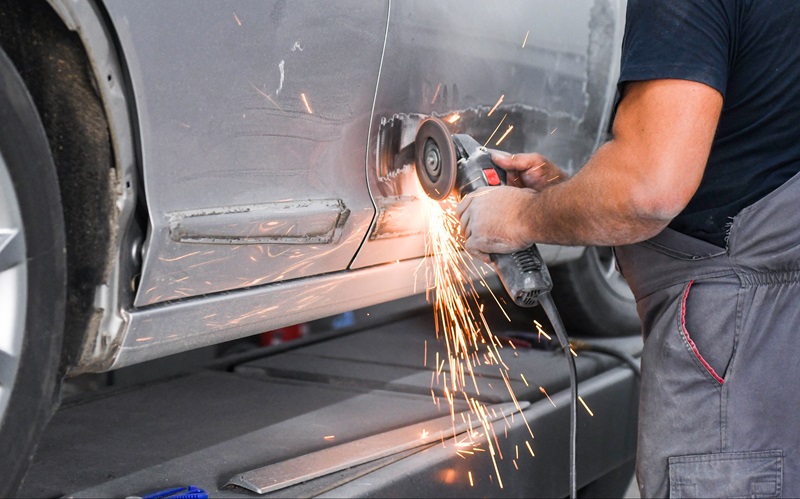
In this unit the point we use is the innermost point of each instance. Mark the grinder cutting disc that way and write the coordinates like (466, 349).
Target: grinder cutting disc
(435, 158)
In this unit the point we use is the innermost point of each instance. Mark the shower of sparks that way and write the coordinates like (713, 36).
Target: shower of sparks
(525, 41)
(461, 326)
(586, 406)
(499, 101)
(305, 102)
(501, 139)
(495, 130)
(237, 19)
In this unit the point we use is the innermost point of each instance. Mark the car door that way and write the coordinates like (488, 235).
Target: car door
(253, 119)
(532, 75)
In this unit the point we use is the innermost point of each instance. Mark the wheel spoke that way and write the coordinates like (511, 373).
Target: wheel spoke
(12, 249)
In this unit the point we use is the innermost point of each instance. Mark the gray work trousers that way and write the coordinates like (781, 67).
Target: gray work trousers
(720, 398)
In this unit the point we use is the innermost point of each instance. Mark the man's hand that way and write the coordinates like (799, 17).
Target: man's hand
(530, 170)
(492, 220)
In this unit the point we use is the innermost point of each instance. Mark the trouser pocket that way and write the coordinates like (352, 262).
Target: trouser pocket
(727, 474)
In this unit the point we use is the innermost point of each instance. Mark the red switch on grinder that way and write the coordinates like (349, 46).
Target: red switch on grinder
(491, 176)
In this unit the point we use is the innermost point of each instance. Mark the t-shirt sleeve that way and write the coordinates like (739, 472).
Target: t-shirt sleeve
(677, 39)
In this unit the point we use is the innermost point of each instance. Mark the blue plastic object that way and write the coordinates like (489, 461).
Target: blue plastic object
(189, 492)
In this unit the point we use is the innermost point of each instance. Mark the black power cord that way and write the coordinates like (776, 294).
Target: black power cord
(582, 346)
(555, 319)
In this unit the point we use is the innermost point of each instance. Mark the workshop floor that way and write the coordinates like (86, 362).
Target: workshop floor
(205, 426)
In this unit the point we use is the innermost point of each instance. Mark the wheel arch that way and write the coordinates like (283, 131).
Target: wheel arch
(65, 53)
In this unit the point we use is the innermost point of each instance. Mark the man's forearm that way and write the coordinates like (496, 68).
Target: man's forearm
(598, 207)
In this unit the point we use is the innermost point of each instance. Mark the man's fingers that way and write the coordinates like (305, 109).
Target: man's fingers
(462, 206)
(518, 162)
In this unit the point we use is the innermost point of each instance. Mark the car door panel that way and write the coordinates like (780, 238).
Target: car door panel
(253, 118)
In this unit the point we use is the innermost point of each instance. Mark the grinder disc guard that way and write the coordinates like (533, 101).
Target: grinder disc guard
(435, 158)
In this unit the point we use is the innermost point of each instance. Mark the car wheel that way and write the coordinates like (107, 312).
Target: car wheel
(593, 297)
(32, 278)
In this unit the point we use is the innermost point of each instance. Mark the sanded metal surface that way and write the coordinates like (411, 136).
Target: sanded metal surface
(300, 469)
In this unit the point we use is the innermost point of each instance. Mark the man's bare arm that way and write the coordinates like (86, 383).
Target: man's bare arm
(630, 189)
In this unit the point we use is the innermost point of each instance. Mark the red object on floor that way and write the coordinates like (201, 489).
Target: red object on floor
(282, 335)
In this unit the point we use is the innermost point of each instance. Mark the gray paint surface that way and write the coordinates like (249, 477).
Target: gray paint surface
(219, 95)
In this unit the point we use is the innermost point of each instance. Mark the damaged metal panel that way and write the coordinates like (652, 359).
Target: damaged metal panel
(249, 103)
(288, 222)
(543, 71)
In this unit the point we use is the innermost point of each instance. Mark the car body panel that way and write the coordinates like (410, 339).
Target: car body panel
(253, 121)
(255, 196)
(548, 65)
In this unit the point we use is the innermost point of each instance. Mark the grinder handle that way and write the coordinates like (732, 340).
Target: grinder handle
(523, 273)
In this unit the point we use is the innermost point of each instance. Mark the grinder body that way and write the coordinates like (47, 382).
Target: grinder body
(448, 164)
(523, 273)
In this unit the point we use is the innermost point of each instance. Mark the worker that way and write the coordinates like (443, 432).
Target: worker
(699, 193)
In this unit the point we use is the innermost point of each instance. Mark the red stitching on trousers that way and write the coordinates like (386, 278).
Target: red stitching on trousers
(689, 339)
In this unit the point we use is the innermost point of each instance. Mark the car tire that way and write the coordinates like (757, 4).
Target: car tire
(592, 296)
(32, 278)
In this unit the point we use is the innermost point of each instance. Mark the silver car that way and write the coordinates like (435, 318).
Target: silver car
(178, 174)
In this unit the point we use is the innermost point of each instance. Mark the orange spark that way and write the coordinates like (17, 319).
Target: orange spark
(178, 258)
(501, 139)
(237, 19)
(523, 379)
(541, 389)
(330, 437)
(530, 449)
(499, 101)
(525, 41)
(267, 96)
(471, 483)
(436, 95)
(586, 407)
(453, 118)
(305, 102)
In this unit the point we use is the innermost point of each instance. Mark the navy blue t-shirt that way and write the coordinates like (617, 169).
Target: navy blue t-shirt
(748, 50)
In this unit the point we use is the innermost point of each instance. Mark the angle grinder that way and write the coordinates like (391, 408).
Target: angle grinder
(448, 164)
(458, 164)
